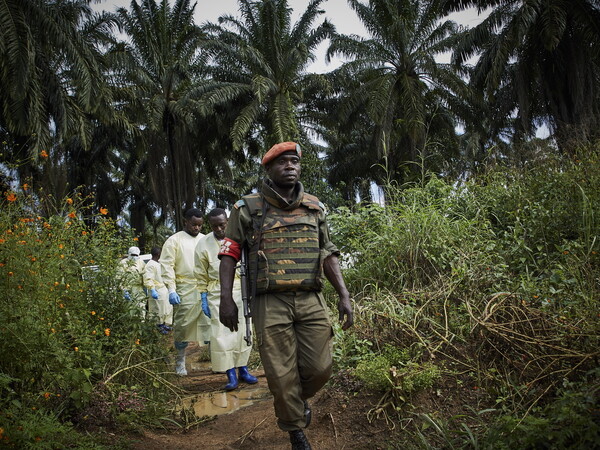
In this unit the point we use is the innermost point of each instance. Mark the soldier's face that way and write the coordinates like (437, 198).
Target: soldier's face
(285, 170)
(218, 225)
(193, 225)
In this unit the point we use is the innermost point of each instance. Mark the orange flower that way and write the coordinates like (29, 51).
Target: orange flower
(69, 201)
(60, 246)
(47, 395)
(62, 256)
(72, 214)
(135, 239)
(11, 197)
(104, 211)
(10, 274)
(93, 313)
(56, 283)
(25, 186)
(52, 330)
(2, 241)
(76, 349)
(67, 286)
(137, 342)
(33, 259)
(107, 331)
(84, 233)
(44, 154)
(94, 332)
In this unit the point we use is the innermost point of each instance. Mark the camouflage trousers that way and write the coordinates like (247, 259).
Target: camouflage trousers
(293, 335)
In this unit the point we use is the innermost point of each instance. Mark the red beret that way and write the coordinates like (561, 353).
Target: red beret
(280, 148)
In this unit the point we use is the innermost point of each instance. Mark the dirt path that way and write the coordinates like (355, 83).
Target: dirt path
(339, 418)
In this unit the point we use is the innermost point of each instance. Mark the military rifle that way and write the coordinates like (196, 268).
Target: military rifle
(246, 297)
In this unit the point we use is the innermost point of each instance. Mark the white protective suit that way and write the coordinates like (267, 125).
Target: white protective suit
(227, 349)
(131, 271)
(177, 266)
(161, 308)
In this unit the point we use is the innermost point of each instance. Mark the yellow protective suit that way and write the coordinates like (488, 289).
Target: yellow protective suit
(161, 308)
(227, 349)
(177, 266)
(131, 272)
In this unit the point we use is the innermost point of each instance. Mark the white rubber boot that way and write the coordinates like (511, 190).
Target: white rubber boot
(180, 363)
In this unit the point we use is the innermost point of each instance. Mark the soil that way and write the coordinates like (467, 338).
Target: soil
(339, 418)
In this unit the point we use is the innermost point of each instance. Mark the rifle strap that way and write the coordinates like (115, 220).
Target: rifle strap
(258, 239)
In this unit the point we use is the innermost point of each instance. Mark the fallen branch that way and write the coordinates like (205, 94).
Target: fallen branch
(249, 433)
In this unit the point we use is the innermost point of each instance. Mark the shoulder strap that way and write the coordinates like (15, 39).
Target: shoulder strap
(254, 202)
(312, 202)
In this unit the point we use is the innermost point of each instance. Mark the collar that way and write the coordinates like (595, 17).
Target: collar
(272, 197)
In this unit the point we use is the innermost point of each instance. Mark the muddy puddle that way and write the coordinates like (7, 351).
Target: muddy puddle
(218, 403)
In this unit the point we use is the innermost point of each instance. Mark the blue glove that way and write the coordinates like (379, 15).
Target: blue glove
(174, 298)
(126, 295)
(205, 308)
(154, 294)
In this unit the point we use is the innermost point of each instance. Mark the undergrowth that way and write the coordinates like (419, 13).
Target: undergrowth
(490, 286)
(74, 354)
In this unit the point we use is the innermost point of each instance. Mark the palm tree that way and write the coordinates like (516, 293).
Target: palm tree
(541, 59)
(160, 73)
(258, 66)
(402, 89)
(51, 73)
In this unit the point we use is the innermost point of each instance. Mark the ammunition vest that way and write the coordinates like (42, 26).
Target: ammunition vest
(285, 245)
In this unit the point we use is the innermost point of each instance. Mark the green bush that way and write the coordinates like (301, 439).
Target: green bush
(496, 275)
(374, 373)
(393, 369)
(570, 421)
(65, 327)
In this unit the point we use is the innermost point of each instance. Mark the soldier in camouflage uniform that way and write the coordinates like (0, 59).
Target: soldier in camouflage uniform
(287, 235)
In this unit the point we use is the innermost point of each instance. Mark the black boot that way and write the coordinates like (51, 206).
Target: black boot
(307, 414)
(299, 441)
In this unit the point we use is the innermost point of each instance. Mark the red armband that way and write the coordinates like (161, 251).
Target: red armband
(230, 248)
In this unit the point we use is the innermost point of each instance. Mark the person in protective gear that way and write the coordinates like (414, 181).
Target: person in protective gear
(131, 273)
(229, 352)
(286, 233)
(177, 266)
(158, 303)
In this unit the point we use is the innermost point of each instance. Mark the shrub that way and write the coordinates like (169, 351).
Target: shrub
(498, 275)
(64, 324)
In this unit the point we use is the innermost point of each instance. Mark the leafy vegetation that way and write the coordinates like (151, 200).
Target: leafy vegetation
(72, 349)
(475, 280)
(490, 286)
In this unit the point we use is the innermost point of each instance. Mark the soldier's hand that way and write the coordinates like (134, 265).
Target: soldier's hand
(345, 310)
(228, 312)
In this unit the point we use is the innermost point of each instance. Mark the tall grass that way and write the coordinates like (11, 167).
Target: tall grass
(496, 279)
